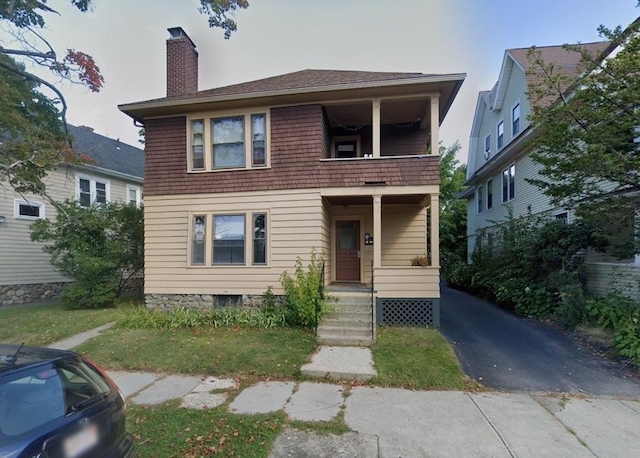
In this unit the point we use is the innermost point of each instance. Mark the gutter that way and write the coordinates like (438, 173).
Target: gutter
(113, 173)
(454, 77)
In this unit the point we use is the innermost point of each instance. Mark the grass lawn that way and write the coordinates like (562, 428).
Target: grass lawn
(44, 324)
(416, 358)
(170, 431)
(237, 352)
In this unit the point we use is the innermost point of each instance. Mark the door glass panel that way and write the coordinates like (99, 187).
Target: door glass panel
(347, 238)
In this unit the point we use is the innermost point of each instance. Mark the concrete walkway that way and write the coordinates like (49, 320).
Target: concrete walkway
(389, 422)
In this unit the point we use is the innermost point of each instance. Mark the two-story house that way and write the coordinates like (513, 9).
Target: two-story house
(499, 162)
(243, 179)
(113, 173)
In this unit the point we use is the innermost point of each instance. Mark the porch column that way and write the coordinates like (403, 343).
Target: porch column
(435, 232)
(375, 103)
(377, 231)
(435, 124)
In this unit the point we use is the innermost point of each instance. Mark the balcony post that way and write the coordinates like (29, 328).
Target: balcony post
(434, 229)
(375, 104)
(377, 232)
(435, 124)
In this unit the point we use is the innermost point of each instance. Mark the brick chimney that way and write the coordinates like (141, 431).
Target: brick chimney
(182, 63)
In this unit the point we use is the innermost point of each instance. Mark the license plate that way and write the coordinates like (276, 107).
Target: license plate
(81, 441)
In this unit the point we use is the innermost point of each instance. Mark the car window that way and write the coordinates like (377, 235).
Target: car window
(42, 395)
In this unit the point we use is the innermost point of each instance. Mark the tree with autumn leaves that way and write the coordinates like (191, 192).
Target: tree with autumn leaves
(588, 141)
(33, 129)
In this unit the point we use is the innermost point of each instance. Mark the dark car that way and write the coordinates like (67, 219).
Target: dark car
(56, 403)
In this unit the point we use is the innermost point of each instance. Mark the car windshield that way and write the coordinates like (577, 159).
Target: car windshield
(38, 396)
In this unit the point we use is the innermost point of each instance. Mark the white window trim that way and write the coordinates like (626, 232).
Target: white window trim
(30, 203)
(345, 138)
(209, 234)
(514, 134)
(487, 187)
(509, 199)
(92, 186)
(504, 143)
(487, 152)
(207, 117)
(131, 187)
(561, 211)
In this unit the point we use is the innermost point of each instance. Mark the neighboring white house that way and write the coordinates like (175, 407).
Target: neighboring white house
(499, 163)
(114, 175)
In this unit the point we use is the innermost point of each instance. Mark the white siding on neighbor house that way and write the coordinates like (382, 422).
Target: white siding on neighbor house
(21, 260)
(295, 226)
(606, 278)
(488, 120)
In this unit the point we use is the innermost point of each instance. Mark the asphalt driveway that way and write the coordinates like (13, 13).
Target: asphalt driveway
(507, 352)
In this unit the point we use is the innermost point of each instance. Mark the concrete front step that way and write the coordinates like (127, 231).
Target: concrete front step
(341, 322)
(346, 331)
(349, 316)
(342, 341)
(355, 308)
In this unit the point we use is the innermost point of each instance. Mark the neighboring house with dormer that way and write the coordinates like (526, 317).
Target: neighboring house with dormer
(114, 173)
(499, 162)
(241, 180)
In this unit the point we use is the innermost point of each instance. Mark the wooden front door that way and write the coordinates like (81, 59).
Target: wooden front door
(348, 251)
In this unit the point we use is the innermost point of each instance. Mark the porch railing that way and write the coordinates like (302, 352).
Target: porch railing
(319, 299)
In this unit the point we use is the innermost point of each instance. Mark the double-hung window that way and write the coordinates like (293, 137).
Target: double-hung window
(259, 238)
(90, 190)
(228, 239)
(228, 142)
(237, 141)
(487, 147)
(515, 120)
(508, 183)
(500, 135)
(133, 195)
(480, 191)
(28, 209)
(489, 194)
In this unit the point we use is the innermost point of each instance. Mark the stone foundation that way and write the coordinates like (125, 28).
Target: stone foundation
(26, 294)
(171, 302)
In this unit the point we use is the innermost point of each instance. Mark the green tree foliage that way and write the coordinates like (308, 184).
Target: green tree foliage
(33, 127)
(587, 141)
(101, 248)
(453, 210)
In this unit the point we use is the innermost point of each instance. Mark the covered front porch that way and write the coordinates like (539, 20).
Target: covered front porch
(386, 238)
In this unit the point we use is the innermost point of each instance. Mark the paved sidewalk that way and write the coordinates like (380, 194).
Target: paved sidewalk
(390, 422)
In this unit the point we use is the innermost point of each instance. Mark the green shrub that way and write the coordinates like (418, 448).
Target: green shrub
(183, 318)
(609, 311)
(536, 301)
(458, 275)
(572, 307)
(626, 336)
(304, 292)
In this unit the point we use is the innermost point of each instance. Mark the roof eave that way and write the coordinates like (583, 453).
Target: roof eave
(458, 78)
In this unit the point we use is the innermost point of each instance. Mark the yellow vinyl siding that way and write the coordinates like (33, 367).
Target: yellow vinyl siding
(294, 228)
(403, 234)
(21, 260)
(408, 282)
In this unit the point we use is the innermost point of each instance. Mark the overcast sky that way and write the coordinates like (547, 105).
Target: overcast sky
(127, 40)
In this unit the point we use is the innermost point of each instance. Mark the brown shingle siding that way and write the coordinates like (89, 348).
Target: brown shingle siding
(298, 142)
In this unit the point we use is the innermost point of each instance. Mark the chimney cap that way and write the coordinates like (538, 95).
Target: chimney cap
(177, 33)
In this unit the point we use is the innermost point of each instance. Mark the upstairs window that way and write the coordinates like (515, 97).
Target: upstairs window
(500, 134)
(197, 144)
(28, 209)
(90, 190)
(258, 139)
(133, 195)
(489, 194)
(515, 117)
(228, 142)
(508, 183)
(487, 147)
(237, 141)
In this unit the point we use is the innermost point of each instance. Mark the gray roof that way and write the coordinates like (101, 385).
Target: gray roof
(106, 152)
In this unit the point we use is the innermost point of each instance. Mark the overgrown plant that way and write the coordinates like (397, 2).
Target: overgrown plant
(100, 248)
(304, 291)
